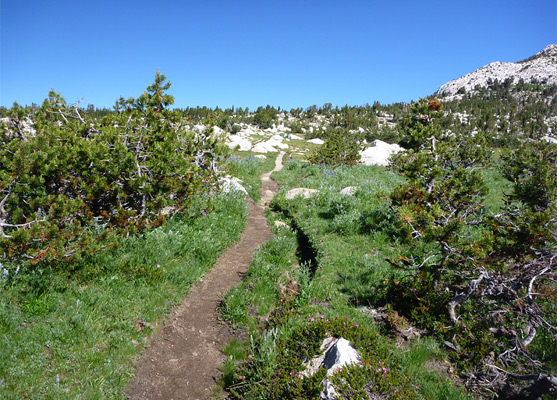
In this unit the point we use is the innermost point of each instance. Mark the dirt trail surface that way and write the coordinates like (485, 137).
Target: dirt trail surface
(184, 355)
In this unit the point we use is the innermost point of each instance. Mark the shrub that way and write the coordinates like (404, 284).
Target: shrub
(341, 148)
(461, 264)
(377, 373)
(77, 184)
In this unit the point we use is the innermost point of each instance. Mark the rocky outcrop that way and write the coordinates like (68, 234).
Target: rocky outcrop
(379, 153)
(235, 141)
(19, 127)
(264, 147)
(540, 68)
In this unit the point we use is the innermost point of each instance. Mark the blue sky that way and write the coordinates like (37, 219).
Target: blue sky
(252, 53)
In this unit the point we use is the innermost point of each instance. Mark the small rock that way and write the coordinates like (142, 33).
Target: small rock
(229, 184)
(316, 141)
(336, 354)
(304, 192)
(349, 190)
(280, 224)
(339, 354)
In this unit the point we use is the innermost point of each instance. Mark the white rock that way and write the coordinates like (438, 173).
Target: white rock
(328, 392)
(295, 137)
(341, 353)
(280, 224)
(316, 141)
(218, 131)
(542, 68)
(26, 125)
(549, 139)
(230, 184)
(199, 128)
(304, 192)
(260, 156)
(337, 353)
(263, 147)
(237, 141)
(379, 153)
(276, 143)
(349, 191)
(247, 131)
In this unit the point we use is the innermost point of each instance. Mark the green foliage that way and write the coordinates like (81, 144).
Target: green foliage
(265, 117)
(455, 271)
(419, 125)
(533, 169)
(341, 148)
(154, 97)
(377, 373)
(76, 185)
(344, 280)
(76, 335)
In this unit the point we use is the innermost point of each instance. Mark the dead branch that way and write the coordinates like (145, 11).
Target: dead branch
(470, 289)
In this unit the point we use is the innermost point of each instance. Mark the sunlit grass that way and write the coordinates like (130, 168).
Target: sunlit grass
(76, 334)
(352, 236)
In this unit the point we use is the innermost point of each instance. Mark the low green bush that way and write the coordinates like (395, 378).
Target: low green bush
(377, 373)
(76, 184)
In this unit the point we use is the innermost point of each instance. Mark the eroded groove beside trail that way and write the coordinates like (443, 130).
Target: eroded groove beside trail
(184, 355)
(305, 252)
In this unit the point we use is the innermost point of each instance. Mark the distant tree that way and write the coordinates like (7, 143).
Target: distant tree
(340, 148)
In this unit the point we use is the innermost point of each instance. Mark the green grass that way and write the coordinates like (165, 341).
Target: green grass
(351, 237)
(76, 334)
(251, 302)
(245, 166)
(498, 186)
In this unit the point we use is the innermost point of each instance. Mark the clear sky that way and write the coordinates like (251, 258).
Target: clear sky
(251, 53)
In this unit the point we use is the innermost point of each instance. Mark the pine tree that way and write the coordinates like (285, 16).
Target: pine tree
(155, 96)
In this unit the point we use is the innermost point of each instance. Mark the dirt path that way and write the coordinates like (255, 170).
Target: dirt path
(184, 355)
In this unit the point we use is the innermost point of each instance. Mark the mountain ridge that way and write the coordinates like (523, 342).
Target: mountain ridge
(540, 68)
